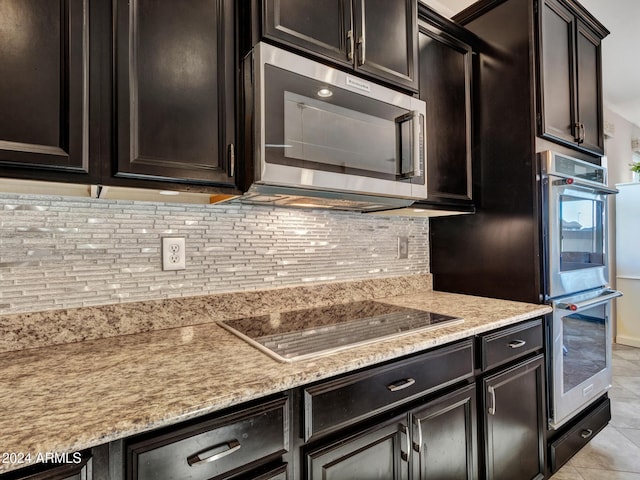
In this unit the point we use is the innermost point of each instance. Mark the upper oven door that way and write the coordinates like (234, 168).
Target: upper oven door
(576, 237)
(320, 128)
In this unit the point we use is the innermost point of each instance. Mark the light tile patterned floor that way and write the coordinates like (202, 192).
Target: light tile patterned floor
(614, 454)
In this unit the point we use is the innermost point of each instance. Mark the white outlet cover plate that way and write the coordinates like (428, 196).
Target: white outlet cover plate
(173, 253)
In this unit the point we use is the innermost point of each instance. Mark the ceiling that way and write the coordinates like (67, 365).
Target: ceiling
(620, 50)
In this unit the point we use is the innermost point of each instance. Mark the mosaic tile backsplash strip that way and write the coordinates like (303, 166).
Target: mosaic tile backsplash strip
(58, 252)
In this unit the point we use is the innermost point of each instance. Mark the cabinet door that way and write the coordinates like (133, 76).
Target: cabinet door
(558, 95)
(322, 28)
(44, 87)
(445, 84)
(444, 438)
(386, 40)
(513, 414)
(174, 90)
(571, 107)
(588, 71)
(380, 453)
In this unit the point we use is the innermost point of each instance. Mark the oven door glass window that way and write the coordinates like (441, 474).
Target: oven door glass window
(582, 240)
(318, 126)
(584, 345)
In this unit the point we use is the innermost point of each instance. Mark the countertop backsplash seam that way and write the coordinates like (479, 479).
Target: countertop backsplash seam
(40, 329)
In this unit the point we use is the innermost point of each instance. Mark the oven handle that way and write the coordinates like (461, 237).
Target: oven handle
(605, 297)
(594, 187)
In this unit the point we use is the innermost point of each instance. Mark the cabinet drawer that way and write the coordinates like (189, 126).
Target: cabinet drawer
(278, 473)
(579, 435)
(335, 404)
(506, 345)
(233, 442)
(66, 471)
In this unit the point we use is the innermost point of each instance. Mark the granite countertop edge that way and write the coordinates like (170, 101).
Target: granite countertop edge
(75, 396)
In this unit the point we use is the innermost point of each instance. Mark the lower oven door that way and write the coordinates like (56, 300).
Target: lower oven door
(580, 354)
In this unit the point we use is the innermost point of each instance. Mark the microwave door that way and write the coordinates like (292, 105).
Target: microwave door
(329, 136)
(315, 130)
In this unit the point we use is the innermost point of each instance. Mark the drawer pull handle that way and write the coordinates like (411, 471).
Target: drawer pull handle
(401, 385)
(214, 453)
(517, 344)
(586, 433)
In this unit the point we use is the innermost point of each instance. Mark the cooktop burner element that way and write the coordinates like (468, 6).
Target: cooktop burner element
(309, 333)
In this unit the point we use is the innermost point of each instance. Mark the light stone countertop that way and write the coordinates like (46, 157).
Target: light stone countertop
(69, 397)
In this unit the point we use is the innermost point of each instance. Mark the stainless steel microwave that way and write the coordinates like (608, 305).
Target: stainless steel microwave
(320, 134)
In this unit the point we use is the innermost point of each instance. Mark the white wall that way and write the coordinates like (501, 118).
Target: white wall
(619, 155)
(618, 147)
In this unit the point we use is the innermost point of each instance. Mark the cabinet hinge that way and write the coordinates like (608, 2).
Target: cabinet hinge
(535, 6)
(539, 121)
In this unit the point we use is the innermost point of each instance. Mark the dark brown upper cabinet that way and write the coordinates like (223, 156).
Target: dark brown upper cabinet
(44, 89)
(174, 91)
(445, 67)
(375, 37)
(571, 79)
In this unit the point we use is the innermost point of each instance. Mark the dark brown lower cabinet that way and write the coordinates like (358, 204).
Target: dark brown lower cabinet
(278, 473)
(444, 437)
(242, 444)
(78, 467)
(440, 444)
(380, 453)
(513, 421)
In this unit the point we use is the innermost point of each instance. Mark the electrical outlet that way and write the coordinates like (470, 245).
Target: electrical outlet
(403, 247)
(173, 253)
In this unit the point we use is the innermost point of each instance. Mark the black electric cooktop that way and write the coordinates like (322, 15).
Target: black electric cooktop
(308, 333)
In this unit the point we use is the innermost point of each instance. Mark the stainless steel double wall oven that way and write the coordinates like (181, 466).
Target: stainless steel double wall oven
(574, 230)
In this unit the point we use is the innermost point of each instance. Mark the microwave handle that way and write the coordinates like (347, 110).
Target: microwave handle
(417, 149)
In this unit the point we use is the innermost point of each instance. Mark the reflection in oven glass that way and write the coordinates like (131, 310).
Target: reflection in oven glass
(584, 346)
(582, 242)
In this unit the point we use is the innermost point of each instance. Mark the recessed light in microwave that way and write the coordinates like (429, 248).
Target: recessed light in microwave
(324, 92)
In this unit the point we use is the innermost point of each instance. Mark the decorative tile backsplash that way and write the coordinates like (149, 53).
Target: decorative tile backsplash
(59, 252)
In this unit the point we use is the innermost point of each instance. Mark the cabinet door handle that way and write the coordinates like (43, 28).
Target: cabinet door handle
(232, 159)
(417, 446)
(579, 132)
(586, 433)
(405, 430)
(361, 47)
(517, 343)
(576, 132)
(401, 384)
(214, 453)
(350, 45)
(492, 393)
(361, 38)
